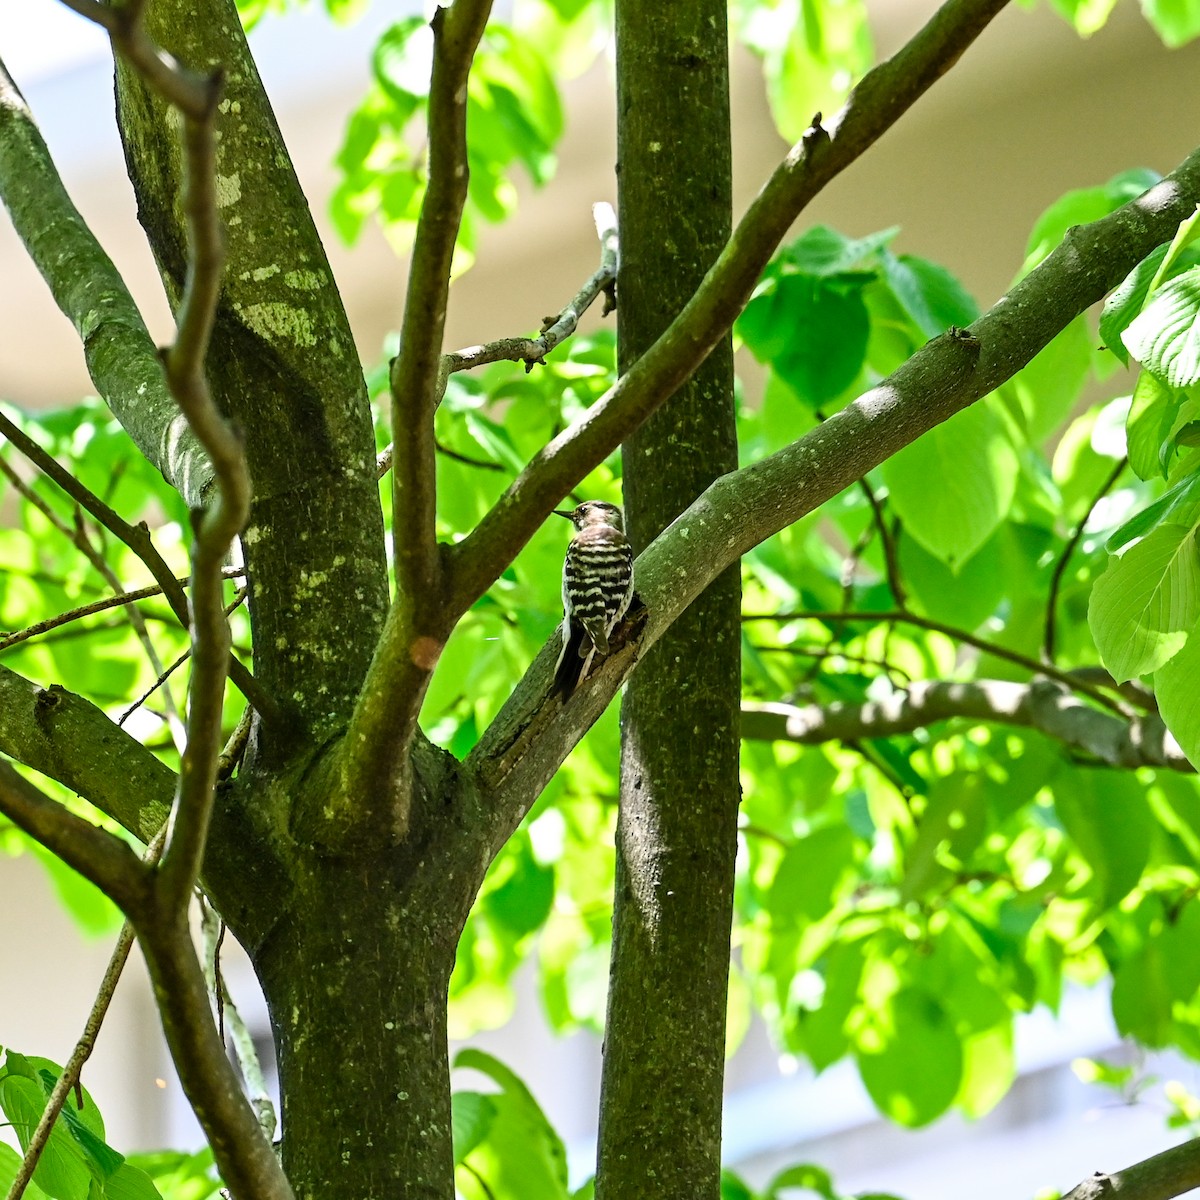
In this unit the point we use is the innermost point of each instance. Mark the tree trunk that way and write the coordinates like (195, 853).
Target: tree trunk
(356, 982)
(283, 366)
(660, 1124)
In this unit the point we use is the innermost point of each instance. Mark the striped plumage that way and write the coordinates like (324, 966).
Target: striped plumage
(597, 587)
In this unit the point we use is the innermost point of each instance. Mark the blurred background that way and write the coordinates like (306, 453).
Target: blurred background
(1030, 112)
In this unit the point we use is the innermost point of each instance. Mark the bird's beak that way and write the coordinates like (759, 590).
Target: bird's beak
(558, 512)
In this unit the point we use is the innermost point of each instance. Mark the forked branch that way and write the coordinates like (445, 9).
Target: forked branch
(531, 736)
(557, 328)
(876, 104)
(373, 790)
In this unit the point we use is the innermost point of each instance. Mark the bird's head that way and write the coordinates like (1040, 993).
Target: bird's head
(594, 512)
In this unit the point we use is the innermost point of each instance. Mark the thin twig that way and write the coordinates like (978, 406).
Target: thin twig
(555, 329)
(467, 460)
(138, 622)
(958, 635)
(163, 676)
(227, 1015)
(245, 1158)
(1060, 567)
(531, 350)
(78, 537)
(891, 560)
(239, 596)
(138, 539)
(75, 614)
(821, 653)
(96, 606)
(72, 1070)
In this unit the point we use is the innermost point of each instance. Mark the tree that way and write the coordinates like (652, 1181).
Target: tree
(932, 876)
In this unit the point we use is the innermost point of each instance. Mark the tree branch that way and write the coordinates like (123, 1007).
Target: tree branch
(555, 329)
(374, 788)
(68, 738)
(875, 105)
(528, 740)
(216, 528)
(1046, 706)
(121, 356)
(245, 1157)
(1168, 1174)
(72, 1069)
(99, 856)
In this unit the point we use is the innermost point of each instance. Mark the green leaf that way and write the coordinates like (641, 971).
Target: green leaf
(989, 1068)
(1178, 696)
(62, 1171)
(1180, 942)
(953, 486)
(1048, 386)
(1080, 207)
(179, 1176)
(1141, 997)
(807, 877)
(1165, 337)
(931, 296)
(826, 252)
(1179, 505)
(1146, 601)
(803, 1175)
(473, 1114)
(521, 1154)
(1087, 16)
(822, 1032)
(965, 596)
(812, 330)
(1109, 819)
(812, 55)
(522, 900)
(733, 1188)
(10, 1164)
(1148, 427)
(129, 1183)
(1126, 302)
(955, 811)
(910, 1058)
(1175, 21)
(403, 60)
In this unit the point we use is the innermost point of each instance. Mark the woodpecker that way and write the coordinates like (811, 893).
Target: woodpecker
(597, 586)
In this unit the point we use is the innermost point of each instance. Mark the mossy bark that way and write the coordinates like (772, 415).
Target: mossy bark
(660, 1124)
(354, 949)
(282, 364)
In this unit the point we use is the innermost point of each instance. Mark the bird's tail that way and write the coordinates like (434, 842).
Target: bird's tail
(570, 663)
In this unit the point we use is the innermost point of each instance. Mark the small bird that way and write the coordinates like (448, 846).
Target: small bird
(597, 587)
